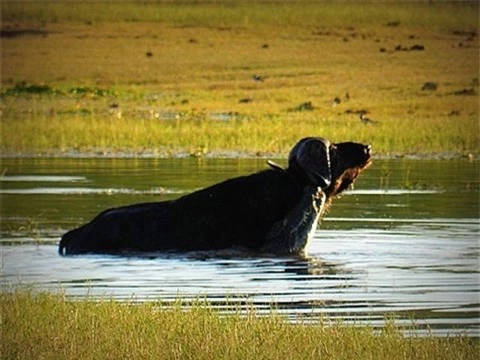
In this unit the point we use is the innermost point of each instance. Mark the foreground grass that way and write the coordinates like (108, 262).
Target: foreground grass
(77, 76)
(51, 327)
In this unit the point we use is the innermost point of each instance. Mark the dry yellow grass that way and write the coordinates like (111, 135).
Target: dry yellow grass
(202, 62)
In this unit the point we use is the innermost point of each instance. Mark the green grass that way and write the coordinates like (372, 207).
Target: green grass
(46, 326)
(275, 135)
(72, 61)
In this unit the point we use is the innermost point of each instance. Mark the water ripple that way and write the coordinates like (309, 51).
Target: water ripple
(397, 252)
(43, 178)
(90, 191)
(393, 192)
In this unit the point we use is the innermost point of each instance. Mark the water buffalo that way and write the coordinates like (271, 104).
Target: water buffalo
(273, 211)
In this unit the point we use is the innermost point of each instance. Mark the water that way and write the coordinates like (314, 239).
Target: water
(403, 243)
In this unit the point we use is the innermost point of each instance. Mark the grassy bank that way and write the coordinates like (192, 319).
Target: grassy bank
(252, 137)
(178, 77)
(50, 327)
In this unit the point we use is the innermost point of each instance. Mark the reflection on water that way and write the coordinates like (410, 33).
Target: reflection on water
(404, 242)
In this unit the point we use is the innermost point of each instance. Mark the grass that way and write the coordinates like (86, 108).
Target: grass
(76, 77)
(47, 326)
(247, 14)
(252, 137)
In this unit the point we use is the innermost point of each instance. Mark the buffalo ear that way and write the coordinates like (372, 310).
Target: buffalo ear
(312, 155)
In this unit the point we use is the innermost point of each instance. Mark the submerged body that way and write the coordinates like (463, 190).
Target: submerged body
(209, 219)
(274, 211)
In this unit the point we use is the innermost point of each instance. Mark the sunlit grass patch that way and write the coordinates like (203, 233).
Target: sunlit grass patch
(218, 133)
(232, 77)
(41, 325)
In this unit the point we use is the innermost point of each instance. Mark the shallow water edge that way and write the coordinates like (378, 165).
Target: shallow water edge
(404, 243)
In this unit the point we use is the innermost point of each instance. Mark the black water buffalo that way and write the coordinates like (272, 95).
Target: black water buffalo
(274, 211)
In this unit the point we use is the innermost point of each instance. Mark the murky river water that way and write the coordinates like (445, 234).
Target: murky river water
(403, 243)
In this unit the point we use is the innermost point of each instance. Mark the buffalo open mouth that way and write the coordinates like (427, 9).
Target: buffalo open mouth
(368, 156)
(363, 158)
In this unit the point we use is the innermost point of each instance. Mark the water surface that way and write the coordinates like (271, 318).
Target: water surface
(403, 243)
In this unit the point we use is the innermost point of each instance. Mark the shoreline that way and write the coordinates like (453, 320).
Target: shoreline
(227, 154)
